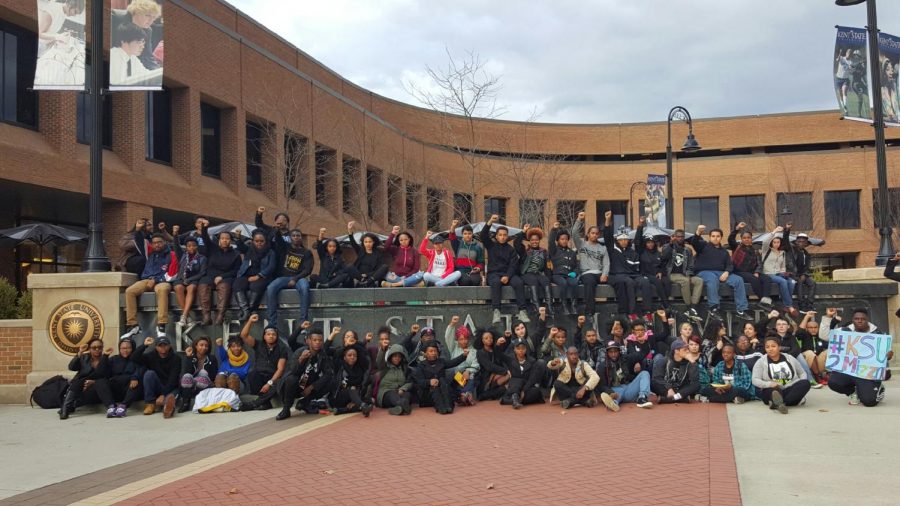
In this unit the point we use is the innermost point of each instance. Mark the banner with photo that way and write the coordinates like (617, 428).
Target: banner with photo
(655, 205)
(61, 49)
(851, 75)
(136, 45)
(889, 66)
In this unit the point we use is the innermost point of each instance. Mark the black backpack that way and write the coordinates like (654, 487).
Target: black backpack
(50, 394)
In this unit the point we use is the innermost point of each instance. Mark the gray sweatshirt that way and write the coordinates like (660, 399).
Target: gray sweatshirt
(762, 373)
(592, 256)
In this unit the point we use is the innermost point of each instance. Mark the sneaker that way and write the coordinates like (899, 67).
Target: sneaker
(366, 409)
(703, 399)
(743, 315)
(713, 311)
(523, 316)
(879, 396)
(644, 402)
(565, 404)
(854, 399)
(160, 331)
(739, 400)
(111, 411)
(132, 332)
(609, 402)
(766, 302)
(777, 403)
(823, 381)
(802, 402)
(815, 385)
(396, 410)
(591, 401)
(516, 403)
(183, 321)
(385, 284)
(496, 318)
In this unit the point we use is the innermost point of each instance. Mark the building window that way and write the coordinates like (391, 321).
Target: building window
(893, 207)
(211, 141)
(567, 211)
(795, 208)
(255, 136)
(828, 263)
(350, 184)
(395, 200)
(532, 211)
(750, 209)
(295, 166)
(842, 209)
(462, 207)
(702, 211)
(18, 55)
(433, 199)
(374, 194)
(619, 209)
(84, 123)
(159, 126)
(325, 160)
(495, 205)
(412, 192)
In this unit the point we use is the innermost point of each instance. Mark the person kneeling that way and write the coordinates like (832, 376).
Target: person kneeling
(576, 380)
(431, 379)
(678, 378)
(731, 380)
(779, 378)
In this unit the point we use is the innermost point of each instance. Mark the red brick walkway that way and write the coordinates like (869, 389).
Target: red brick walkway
(488, 454)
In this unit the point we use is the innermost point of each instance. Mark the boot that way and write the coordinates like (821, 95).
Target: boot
(223, 295)
(204, 293)
(255, 298)
(241, 297)
(536, 299)
(68, 405)
(571, 308)
(548, 296)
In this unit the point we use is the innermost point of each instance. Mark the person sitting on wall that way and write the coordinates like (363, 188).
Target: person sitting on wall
(294, 263)
(677, 259)
(713, 265)
(333, 273)
(441, 267)
(469, 255)
(806, 285)
(161, 266)
(279, 231)
(534, 267)
(747, 263)
(651, 266)
(135, 246)
(369, 269)
(405, 266)
(778, 265)
(255, 273)
(564, 272)
(624, 271)
(593, 261)
(191, 269)
(502, 269)
(223, 262)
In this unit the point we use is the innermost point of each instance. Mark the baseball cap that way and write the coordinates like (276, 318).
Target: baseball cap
(802, 235)
(621, 236)
(677, 345)
(438, 239)
(612, 344)
(163, 341)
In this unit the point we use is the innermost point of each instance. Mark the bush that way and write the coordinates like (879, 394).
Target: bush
(8, 296)
(23, 306)
(820, 276)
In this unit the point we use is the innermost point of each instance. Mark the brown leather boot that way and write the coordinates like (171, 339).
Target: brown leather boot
(204, 293)
(223, 296)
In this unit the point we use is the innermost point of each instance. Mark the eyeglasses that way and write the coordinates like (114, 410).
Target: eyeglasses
(96, 347)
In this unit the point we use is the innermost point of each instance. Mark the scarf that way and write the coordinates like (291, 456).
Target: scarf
(238, 360)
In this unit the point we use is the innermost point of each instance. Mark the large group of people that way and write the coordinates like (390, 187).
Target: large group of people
(648, 354)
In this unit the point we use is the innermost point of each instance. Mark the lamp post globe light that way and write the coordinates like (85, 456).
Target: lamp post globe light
(677, 113)
(886, 249)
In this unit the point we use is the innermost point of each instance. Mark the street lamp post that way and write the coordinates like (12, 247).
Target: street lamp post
(690, 145)
(95, 258)
(886, 249)
(636, 184)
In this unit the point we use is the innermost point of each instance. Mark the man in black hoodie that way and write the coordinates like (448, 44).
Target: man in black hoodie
(502, 269)
(431, 379)
(624, 271)
(309, 379)
(294, 265)
(713, 265)
(678, 379)
(161, 381)
(524, 386)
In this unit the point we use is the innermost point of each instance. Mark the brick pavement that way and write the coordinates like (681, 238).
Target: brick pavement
(668, 455)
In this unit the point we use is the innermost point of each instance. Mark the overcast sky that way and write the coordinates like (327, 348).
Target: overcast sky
(602, 61)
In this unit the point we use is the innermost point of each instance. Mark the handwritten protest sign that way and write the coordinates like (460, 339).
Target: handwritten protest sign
(858, 354)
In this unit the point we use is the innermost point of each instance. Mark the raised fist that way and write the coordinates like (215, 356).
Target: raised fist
(415, 328)
(701, 229)
(148, 341)
(395, 230)
(253, 318)
(175, 229)
(161, 225)
(608, 215)
(581, 216)
(494, 218)
(260, 210)
(454, 224)
(454, 321)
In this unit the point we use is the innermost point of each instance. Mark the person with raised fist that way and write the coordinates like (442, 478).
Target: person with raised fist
(714, 266)
(502, 269)
(468, 254)
(564, 270)
(593, 261)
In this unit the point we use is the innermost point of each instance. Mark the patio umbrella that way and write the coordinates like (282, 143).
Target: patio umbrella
(246, 228)
(658, 233)
(476, 228)
(813, 241)
(40, 234)
(344, 240)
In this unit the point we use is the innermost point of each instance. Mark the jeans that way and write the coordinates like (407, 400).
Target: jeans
(279, 284)
(439, 281)
(639, 387)
(153, 387)
(567, 285)
(411, 280)
(785, 288)
(711, 280)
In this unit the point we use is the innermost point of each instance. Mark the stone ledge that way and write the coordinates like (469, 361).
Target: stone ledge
(13, 324)
(81, 280)
(861, 274)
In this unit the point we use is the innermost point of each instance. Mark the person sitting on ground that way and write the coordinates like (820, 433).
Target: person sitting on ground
(430, 376)
(779, 380)
(525, 376)
(309, 379)
(350, 385)
(222, 265)
(806, 285)
(469, 255)
(191, 269)
(713, 265)
(394, 384)
(333, 273)
(678, 261)
(747, 263)
(784, 330)
(502, 271)
(715, 336)
(405, 265)
(162, 377)
(492, 366)
(575, 381)
(678, 378)
(590, 349)
(778, 265)
(534, 340)
(730, 381)
(198, 369)
(160, 267)
(440, 270)
(414, 343)
(534, 266)
(91, 379)
(369, 269)
(623, 379)
(747, 348)
(624, 271)
(255, 273)
(642, 346)
(464, 377)
(381, 340)
(269, 364)
(564, 272)
(615, 330)
(859, 390)
(554, 345)
(124, 377)
(294, 263)
(350, 339)
(593, 261)
(695, 350)
(234, 365)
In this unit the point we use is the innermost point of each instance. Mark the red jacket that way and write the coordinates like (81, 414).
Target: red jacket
(430, 254)
(406, 260)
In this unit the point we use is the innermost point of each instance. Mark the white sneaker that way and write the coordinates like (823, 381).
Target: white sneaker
(160, 331)
(815, 385)
(643, 402)
(523, 316)
(879, 396)
(609, 402)
(132, 332)
(766, 301)
(497, 317)
(854, 399)
(802, 402)
(183, 321)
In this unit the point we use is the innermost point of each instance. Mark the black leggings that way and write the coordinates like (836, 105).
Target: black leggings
(438, 397)
(567, 285)
(538, 280)
(569, 391)
(515, 282)
(662, 287)
(373, 279)
(98, 392)
(292, 391)
(590, 282)
(469, 279)
(792, 395)
(243, 284)
(393, 398)
(342, 398)
(121, 391)
(337, 281)
(866, 390)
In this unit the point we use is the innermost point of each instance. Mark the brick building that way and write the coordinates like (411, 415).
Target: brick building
(248, 120)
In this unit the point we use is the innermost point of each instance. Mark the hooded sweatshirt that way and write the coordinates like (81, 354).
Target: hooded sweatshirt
(167, 368)
(468, 254)
(681, 376)
(406, 259)
(621, 261)
(393, 377)
(592, 256)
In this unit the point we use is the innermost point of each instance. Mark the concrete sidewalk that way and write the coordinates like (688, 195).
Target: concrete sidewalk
(38, 449)
(826, 452)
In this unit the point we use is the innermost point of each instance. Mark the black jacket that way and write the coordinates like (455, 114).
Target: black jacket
(84, 369)
(564, 260)
(744, 258)
(127, 367)
(192, 365)
(329, 266)
(296, 263)
(520, 371)
(168, 369)
(346, 377)
(709, 257)
(220, 262)
(502, 258)
(318, 368)
(683, 377)
(427, 371)
(620, 261)
(367, 263)
(672, 254)
(490, 362)
(618, 373)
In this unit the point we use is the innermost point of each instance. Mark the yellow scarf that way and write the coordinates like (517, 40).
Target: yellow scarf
(238, 360)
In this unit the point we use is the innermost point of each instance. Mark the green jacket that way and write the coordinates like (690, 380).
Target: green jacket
(393, 377)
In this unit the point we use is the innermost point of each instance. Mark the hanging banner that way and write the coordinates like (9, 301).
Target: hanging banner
(136, 46)
(889, 65)
(655, 205)
(851, 82)
(61, 50)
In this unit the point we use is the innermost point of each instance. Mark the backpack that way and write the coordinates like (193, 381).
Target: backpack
(50, 394)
